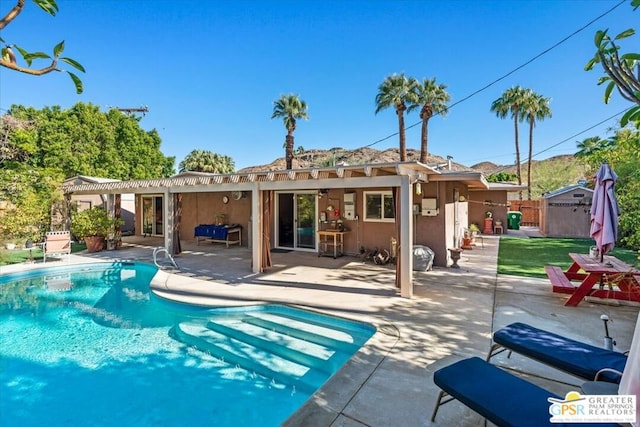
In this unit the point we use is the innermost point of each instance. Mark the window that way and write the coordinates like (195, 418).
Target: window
(378, 206)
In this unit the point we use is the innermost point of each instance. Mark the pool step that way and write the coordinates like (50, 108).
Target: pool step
(272, 345)
(249, 357)
(300, 333)
(329, 328)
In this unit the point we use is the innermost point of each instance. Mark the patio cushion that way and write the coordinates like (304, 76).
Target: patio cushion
(500, 397)
(574, 357)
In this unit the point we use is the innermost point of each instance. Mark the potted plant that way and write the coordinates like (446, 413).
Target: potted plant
(466, 239)
(474, 230)
(92, 226)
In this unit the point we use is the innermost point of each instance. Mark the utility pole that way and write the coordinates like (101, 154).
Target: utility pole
(131, 111)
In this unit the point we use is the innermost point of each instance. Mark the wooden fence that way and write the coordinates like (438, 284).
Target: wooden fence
(530, 210)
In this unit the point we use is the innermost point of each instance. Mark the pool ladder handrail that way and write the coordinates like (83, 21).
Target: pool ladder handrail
(161, 249)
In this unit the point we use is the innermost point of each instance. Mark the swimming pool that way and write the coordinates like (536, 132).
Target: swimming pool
(92, 345)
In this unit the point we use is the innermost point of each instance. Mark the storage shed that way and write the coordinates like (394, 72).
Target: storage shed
(566, 212)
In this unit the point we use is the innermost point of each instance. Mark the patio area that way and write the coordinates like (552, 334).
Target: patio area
(389, 381)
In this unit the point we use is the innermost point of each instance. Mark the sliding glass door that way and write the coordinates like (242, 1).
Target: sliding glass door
(153, 215)
(296, 220)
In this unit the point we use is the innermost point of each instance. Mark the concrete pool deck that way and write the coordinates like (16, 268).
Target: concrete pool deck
(389, 382)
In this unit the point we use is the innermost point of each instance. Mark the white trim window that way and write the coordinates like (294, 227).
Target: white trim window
(378, 206)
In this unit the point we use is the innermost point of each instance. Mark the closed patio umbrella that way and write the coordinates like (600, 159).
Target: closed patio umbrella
(604, 210)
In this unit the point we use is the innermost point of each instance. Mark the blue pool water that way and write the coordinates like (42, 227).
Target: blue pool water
(91, 345)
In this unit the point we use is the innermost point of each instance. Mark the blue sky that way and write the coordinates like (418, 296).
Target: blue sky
(209, 71)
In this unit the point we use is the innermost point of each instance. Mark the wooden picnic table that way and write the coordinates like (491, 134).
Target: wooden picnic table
(615, 279)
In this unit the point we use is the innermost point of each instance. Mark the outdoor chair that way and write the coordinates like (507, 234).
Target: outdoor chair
(502, 398)
(56, 243)
(573, 357)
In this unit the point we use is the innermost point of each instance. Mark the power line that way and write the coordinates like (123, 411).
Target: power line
(580, 133)
(544, 52)
(523, 162)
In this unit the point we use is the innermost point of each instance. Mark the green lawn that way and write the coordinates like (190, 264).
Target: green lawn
(22, 255)
(527, 257)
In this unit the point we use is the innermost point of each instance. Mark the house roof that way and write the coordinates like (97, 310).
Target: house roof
(564, 190)
(87, 179)
(352, 176)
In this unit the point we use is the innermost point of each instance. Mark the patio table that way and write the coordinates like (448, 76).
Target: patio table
(609, 273)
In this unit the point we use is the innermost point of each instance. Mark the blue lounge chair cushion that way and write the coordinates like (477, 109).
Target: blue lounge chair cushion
(500, 397)
(575, 357)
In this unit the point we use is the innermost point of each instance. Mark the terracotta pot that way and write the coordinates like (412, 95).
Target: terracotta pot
(467, 243)
(94, 243)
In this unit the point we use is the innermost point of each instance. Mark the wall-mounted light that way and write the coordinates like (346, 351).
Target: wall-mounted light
(418, 188)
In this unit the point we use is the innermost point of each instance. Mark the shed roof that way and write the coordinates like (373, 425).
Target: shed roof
(564, 190)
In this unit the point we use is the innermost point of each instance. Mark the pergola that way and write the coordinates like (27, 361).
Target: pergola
(399, 176)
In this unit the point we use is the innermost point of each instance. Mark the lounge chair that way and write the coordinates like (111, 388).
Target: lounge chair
(574, 357)
(57, 243)
(500, 397)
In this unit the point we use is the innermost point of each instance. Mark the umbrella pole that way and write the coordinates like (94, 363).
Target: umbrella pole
(608, 341)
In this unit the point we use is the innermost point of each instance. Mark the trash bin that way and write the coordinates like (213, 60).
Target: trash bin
(422, 258)
(513, 219)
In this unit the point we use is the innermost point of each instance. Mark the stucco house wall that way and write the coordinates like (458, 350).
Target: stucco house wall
(480, 202)
(203, 208)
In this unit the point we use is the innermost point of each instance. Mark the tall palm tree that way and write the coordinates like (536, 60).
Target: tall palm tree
(511, 101)
(536, 107)
(396, 90)
(290, 108)
(433, 99)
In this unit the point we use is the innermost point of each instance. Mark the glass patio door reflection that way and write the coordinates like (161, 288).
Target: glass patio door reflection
(296, 227)
(152, 216)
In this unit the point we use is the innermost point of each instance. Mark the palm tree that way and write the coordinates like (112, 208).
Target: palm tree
(206, 161)
(433, 99)
(396, 91)
(289, 108)
(511, 102)
(536, 107)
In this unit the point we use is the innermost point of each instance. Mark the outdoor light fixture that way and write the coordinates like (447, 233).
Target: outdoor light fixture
(418, 188)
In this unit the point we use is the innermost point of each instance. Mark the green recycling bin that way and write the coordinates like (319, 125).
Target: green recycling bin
(513, 219)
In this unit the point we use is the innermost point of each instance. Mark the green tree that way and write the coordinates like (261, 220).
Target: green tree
(289, 108)
(30, 193)
(206, 161)
(502, 177)
(8, 58)
(622, 152)
(511, 102)
(41, 148)
(432, 98)
(535, 108)
(622, 70)
(83, 140)
(397, 91)
(593, 151)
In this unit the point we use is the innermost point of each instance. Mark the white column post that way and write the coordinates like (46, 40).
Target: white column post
(256, 228)
(406, 239)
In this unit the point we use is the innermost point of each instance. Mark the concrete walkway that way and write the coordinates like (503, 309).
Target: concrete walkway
(389, 381)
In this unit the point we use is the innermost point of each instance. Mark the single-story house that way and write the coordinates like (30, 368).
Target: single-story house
(296, 209)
